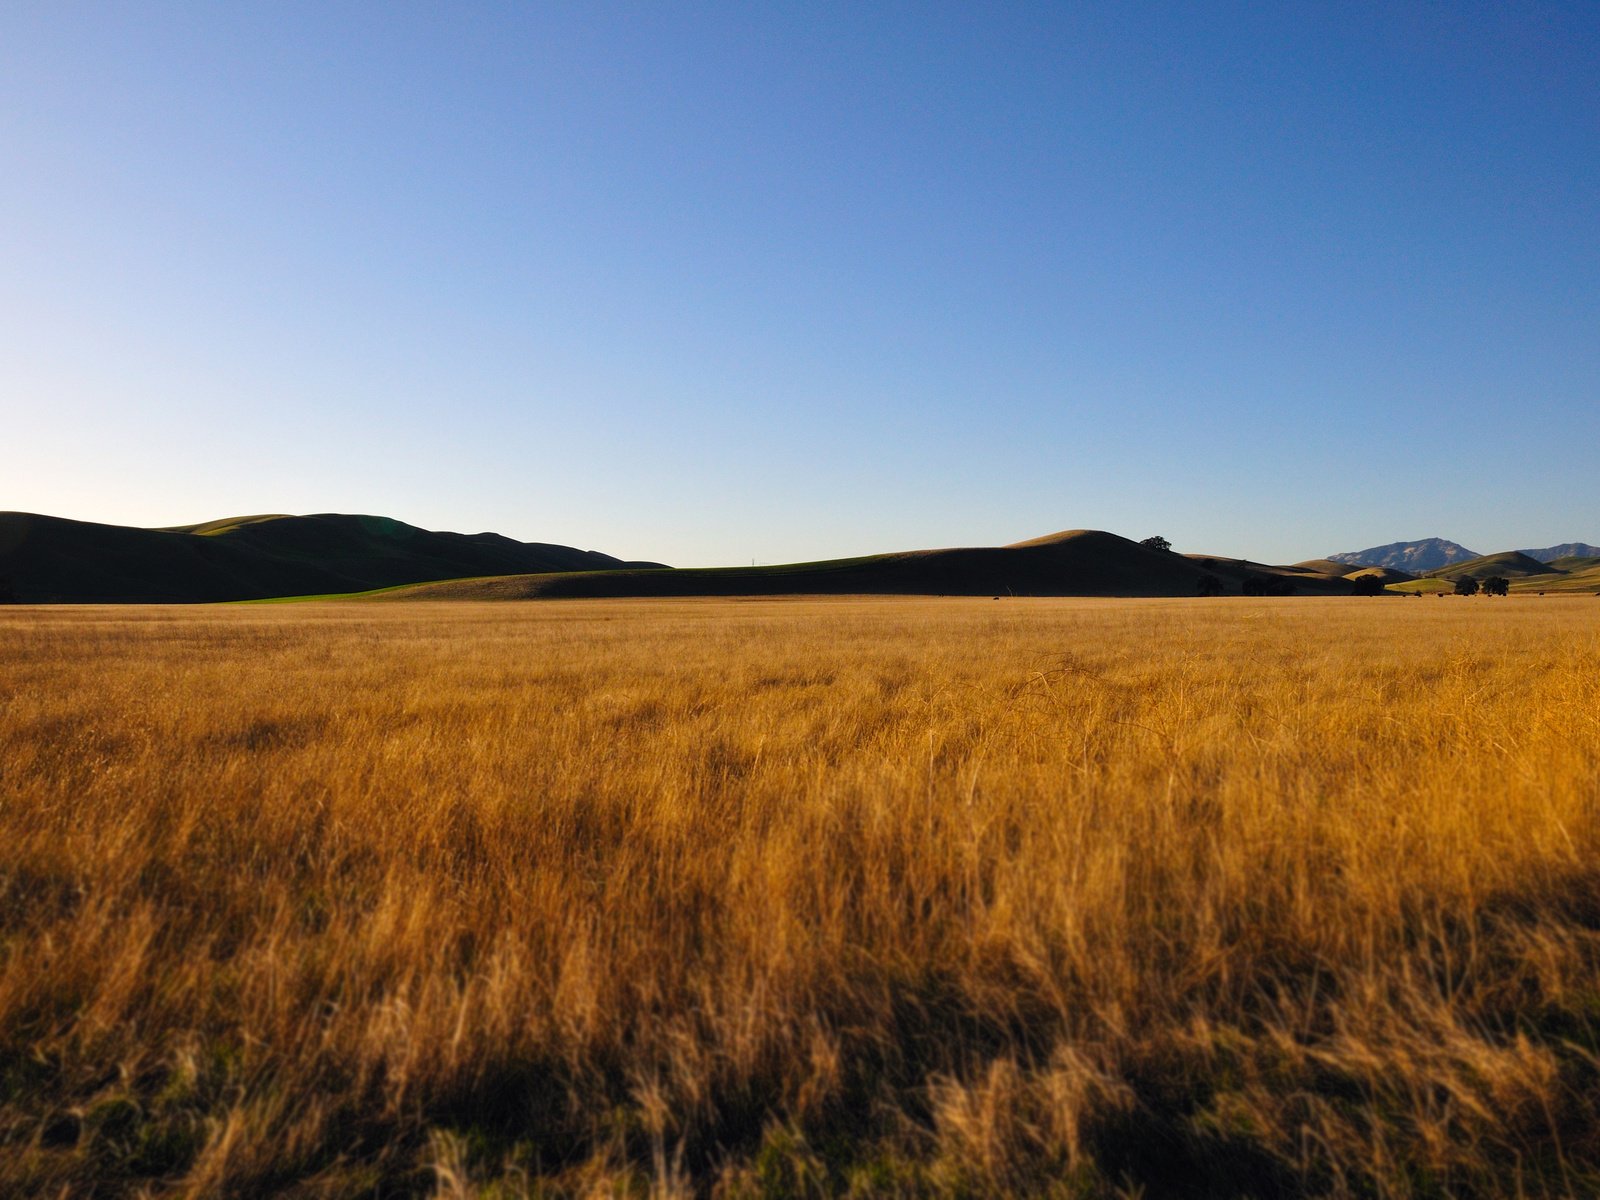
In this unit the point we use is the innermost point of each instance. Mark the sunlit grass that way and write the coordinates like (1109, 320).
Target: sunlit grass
(802, 898)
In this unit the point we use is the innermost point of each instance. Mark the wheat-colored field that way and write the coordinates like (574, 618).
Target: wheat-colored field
(792, 898)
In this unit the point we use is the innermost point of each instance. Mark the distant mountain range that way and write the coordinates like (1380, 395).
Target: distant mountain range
(1413, 557)
(1565, 550)
(1431, 554)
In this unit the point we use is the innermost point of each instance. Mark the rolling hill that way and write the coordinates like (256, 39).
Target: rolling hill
(51, 559)
(1525, 574)
(1078, 562)
(1512, 564)
(1582, 580)
(276, 556)
(1384, 575)
(1340, 570)
(1573, 563)
(1586, 583)
(1324, 566)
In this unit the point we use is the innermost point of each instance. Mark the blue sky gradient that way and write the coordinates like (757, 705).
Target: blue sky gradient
(714, 283)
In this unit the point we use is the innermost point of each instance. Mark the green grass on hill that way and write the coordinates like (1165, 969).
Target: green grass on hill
(1567, 583)
(1573, 563)
(1583, 582)
(1509, 563)
(1424, 587)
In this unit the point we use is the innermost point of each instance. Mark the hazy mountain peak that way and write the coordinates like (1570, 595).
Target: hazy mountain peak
(1428, 554)
(1565, 550)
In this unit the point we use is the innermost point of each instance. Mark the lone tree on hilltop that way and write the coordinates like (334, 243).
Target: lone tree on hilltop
(1496, 585)
(1466, 586)
(1157, 543)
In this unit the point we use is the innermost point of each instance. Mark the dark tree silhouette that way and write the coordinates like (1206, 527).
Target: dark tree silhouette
(1366, 585)
(1496, 585)
(1208, 585)
(1266, 585)
(1157, 543)
(1466, 586)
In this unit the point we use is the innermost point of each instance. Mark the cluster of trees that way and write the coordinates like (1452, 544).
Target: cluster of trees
(1495, 585)
(1366, 585)
(1266, 585)
(1255, 585)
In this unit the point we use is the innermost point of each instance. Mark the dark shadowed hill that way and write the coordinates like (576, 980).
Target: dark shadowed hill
(1327, 566)
(47, 559)
(1079, 562)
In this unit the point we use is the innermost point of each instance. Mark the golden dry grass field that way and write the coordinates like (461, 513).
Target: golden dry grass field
(802, 898)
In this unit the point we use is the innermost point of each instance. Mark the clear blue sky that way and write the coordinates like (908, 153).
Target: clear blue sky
(713, 283)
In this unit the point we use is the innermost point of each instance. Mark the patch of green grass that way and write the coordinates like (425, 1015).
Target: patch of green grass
(1424, 587)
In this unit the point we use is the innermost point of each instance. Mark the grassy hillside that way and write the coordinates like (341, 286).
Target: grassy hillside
(1339, 570)
(270, 556)
(1305, 578)
(1573, 562)
(1425, 586)
(1527, 576)
(50, 559)
(1385, 575)
(1074, 563)
(1512, 564)
(1586, 580)
(225, 525)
